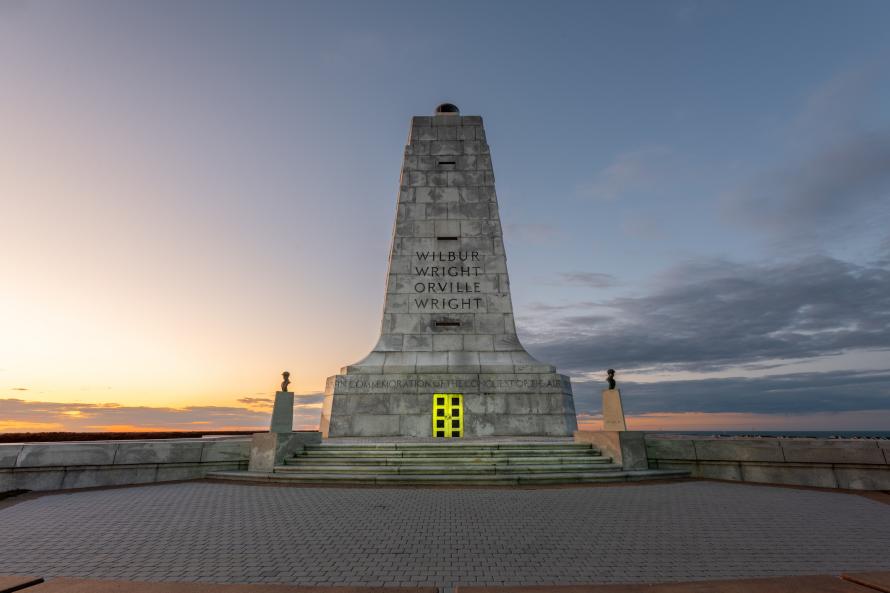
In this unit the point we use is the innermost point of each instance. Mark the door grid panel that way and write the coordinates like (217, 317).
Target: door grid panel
(448, 415)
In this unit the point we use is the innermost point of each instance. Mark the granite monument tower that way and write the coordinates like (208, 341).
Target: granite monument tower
(448, 362)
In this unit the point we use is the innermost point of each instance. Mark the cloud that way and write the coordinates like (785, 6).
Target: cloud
(21, 415)
(838, 105)
(820, 193)
(548, 307)
(535, 233)
(713, 314)
(589, 279)
(257, 402)
(834, 176)
(798, 393)
(20, 389)
(628, 172)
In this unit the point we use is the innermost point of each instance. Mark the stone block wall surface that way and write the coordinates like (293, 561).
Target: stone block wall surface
(165, 452)
(9, 454)
(855, 464)
(268, 449)
(625, 447)
(59, 466)
(447, 323)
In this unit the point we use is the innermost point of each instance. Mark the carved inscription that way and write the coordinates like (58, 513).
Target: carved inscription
(445, 280)
(401, 385)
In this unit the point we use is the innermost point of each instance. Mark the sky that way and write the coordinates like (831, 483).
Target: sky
(195, 196)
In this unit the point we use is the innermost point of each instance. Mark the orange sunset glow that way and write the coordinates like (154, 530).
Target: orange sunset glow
(193, 201)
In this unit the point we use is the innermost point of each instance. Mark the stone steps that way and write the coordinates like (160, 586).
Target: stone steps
(452, 460)
(447, 455)
(442, 469)
(453, 480)
(501, 463)
(443, 444)
(443, 452)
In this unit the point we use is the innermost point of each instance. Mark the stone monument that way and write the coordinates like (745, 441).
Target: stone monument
(283, 411)
(613, 412)
(268, 449)
(448, 362)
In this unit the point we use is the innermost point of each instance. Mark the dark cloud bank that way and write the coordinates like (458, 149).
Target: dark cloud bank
(829, 186)
(838, 391)
(713, 315)
(831, 182)
(819, 194)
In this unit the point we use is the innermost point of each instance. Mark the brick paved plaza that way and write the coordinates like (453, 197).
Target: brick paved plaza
(245, 533)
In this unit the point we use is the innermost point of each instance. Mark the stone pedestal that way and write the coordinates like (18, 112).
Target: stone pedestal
(626, 447)
(283, 413)
(448, 315)
(268, 449)
(613, 413)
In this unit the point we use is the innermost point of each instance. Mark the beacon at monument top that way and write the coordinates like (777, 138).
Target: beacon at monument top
(446, 109)
(448, 362)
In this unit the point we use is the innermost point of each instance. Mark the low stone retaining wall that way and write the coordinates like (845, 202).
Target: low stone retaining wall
(856, 464)
(87, 464)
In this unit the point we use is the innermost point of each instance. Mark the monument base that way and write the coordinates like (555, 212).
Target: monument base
(494, 404)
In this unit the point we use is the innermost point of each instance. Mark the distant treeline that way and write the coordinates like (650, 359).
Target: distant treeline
(43, 437)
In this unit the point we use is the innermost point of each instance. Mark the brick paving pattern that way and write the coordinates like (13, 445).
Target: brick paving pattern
(327, 536)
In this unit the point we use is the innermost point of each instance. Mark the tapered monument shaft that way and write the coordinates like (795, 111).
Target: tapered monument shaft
(448, 317)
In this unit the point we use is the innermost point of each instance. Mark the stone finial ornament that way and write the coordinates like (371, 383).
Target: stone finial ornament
(611, 378)
(286, 382)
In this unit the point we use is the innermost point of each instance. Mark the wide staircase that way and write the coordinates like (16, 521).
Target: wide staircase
(519, 463)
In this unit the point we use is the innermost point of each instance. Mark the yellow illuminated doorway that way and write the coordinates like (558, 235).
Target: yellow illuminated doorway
(448, 415)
